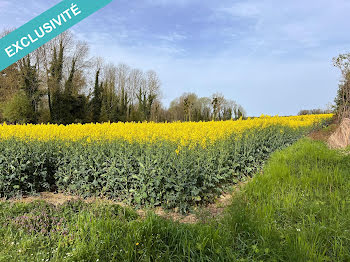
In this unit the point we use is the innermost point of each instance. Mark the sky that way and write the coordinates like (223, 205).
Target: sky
(271, 56)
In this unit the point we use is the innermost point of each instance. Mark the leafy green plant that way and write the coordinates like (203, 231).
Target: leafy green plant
(148, 174)
(27, 167)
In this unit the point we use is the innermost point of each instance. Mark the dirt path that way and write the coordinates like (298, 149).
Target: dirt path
(203, 213)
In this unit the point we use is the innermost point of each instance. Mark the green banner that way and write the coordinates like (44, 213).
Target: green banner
(45, 27)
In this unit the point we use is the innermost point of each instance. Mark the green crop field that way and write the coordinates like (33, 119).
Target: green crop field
(296, 210)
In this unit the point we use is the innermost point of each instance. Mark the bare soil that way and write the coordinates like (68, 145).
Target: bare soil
(202, 213)
(340, 139)
(323, 134)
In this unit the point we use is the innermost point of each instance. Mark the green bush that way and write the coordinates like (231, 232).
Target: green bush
(18, 109)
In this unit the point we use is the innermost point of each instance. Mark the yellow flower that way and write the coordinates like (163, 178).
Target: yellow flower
(137, 243)
(187, 134)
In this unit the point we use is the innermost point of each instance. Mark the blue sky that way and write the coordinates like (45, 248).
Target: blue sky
(272, 57)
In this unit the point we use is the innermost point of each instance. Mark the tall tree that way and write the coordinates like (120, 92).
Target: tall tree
(30, 84)
(54, 82)
(96, 102)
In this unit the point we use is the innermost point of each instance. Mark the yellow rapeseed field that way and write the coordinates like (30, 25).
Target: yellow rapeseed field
(182, 133)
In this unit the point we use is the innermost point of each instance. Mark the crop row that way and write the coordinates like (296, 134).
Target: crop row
(142, 174)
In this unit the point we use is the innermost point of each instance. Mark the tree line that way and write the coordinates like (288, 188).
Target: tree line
(60, 83)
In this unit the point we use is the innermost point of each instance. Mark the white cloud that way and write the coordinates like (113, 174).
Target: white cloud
(240, 9)
(172, 37)
(4, 4)
(290, 25)
(169, 2)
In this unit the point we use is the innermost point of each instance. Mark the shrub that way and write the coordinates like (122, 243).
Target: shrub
(18, 109)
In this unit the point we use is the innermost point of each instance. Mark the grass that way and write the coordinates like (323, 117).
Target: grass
(297, 210)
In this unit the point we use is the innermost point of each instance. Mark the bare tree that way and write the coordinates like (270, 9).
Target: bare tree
(135, 84)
